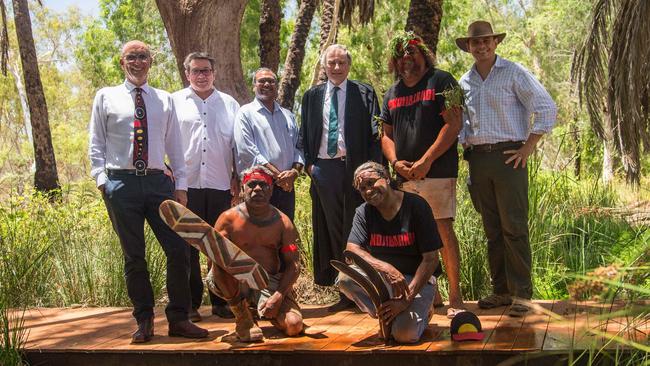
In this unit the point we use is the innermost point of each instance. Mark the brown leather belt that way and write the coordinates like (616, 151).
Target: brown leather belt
(499, 146)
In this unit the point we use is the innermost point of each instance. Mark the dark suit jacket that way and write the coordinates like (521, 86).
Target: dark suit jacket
(361, 143)
(361, 131)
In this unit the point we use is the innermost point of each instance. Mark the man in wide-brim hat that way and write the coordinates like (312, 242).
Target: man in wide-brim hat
(479, 29)
(498, 138)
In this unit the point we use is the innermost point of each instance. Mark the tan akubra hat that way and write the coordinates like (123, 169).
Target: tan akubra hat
(478, 29)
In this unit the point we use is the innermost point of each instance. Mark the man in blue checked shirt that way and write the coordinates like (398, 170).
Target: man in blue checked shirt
(499, 136)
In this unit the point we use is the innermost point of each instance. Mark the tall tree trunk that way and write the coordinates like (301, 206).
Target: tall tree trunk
(296, 53)
(46, 178)
(12, 66)
(328, 34)
(424, 20)
(213, 27)
(270, 34)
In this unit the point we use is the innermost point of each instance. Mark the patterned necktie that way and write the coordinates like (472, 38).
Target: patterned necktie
(333, 127)
(140, 144)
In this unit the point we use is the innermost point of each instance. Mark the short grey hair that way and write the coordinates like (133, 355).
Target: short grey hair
(198, 56)
(323, 57)
(373, 167)
(275, 76)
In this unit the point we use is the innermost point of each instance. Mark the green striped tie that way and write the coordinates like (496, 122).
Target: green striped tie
(333, 128)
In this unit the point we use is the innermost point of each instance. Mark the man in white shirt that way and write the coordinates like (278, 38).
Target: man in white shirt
(206, 118)
(132, 127)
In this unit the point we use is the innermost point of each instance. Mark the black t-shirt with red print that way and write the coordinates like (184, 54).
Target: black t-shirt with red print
(400, 241)
(414, 114)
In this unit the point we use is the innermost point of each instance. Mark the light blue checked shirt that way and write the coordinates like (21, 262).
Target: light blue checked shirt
(499, 108)
(262, 136)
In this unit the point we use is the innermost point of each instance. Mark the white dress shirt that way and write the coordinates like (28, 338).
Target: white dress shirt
(207, 134)
(111, 132)
(327, 102)
(262, 136)
(499, 108)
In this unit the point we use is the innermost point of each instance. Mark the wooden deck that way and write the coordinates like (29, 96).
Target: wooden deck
(94, 336)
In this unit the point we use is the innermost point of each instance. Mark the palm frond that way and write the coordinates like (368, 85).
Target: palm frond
(613, 77)
(365, 9)
(589, 66)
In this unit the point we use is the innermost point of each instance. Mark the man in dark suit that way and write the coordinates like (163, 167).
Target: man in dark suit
(338, 133)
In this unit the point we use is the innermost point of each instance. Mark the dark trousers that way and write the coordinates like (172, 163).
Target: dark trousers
(284, 201)
(327, 177)
(500, 194)
(130, 200)
(208, 204)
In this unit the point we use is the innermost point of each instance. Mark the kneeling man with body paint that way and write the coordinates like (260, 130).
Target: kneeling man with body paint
(268, 236)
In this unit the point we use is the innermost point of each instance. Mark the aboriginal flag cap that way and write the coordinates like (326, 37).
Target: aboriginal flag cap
(465, 326)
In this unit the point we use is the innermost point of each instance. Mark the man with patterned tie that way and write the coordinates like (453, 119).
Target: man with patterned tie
(338, 133)
(132, 127)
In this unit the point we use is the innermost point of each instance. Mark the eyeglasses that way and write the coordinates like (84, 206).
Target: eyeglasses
(132, 57)
(266, 80)
(197, 72)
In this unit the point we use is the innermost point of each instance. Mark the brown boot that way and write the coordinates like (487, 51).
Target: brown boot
(245, 327)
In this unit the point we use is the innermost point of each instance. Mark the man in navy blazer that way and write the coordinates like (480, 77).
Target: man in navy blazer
(338, 133)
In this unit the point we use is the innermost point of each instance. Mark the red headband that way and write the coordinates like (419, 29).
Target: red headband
(414, 42)
(258, 174)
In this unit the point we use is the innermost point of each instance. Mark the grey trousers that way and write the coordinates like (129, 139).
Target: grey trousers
(409, 325)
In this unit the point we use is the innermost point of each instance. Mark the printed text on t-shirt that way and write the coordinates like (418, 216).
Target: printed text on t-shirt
(408, 100)
(398, 240)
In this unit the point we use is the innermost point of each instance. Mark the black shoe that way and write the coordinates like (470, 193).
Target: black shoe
(343, 304)
(194, 316)
(186, 329)
(222, 311)
(144, 332)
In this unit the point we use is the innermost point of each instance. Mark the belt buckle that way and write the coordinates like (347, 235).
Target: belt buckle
(140, 168)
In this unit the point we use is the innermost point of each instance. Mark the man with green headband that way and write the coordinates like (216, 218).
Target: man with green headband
(419, 141)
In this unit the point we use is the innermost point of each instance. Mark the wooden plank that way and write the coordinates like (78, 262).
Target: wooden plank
(533, 330)
(559, 333)
(505, 333)
(587, 321)
(634, 328)
(369, 341)
(338, 338)
(330, 327)
(78, 328)
(281, 343)
(109, 330)
(344, 341)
